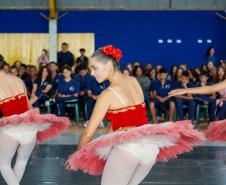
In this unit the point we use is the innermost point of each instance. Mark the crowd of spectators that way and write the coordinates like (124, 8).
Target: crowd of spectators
(69, 81)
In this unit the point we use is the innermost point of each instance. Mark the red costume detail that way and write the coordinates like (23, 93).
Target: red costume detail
(14, 105)
(134, 115)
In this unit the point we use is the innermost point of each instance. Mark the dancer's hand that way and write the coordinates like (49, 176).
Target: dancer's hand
(67, 165)
(177, 92)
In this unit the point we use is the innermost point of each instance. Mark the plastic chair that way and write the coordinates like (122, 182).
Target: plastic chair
(73, 105)
(46, 107)
(201, 109)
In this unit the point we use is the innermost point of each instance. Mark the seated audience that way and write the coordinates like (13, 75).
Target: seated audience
(185, 99)
(94, 90)
(209, 99)
(41, 88)
(67, 91)
(83, 77)
(160, 89)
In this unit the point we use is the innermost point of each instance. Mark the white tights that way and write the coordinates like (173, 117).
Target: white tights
(123, 168)
(8, 148)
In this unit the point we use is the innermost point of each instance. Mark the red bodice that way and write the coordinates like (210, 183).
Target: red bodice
(14, 105)
(134, 115)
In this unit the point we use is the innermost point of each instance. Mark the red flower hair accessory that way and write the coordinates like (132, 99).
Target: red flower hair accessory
(110, 50)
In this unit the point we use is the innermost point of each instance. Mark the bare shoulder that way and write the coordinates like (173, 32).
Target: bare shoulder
(9, 78)
(133, 81)
(14, 78)
(105, 96)
(126, 83)
(129, 79)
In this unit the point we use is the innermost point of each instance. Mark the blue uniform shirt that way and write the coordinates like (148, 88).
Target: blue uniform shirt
(65, 58)
(83, 81)
(42, 85)
(162, 89)
(152, 85)
(68, 88)
(96, 87)
(201, 96)
(55, 82)
(178, 85)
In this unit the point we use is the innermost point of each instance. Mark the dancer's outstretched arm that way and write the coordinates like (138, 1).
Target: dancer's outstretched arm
(200, 90)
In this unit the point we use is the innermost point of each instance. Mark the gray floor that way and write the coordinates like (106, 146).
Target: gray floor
(206, 165)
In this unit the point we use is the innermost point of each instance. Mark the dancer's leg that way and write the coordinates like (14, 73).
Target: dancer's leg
(180, 110)
(143, 169)
(191, 105)
(33, 99)
(171, 110)
(8, 147)
(119, 167)
(153, 112)
(23, 154)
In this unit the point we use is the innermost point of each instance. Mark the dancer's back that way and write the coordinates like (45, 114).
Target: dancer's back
(127, 107)
(129, 90)
(10, 86)
(13, 99)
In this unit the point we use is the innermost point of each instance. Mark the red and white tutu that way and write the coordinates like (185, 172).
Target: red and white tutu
(171, 138)
(217, 131)
(46, 125)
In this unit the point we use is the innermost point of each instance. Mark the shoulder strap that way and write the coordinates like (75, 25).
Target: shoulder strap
(117, 94)
(1, 97)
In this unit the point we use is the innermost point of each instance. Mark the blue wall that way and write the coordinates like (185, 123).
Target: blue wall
(135, 32)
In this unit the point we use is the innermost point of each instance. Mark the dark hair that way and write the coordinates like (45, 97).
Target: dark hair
(204, 74)
(13, 67)
(1, 58)
(5, 63)
(64, 43)
(174, 65)
(193, 73)
(81, 67)
(16, 62)
(126, 69)
(23, 65)
(52, 62)
(1, 62)
(39, 76)
(32, 66)
(105, 58)
(135, 70)
(208, 51)
(67, 68)
(82, 49)
(185, 73)
(202, 68)
(45, 50)
(162, 70)
(224, 77)
(173, 75)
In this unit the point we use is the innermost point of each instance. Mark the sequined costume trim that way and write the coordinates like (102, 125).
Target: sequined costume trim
(19, 96)
(124, 109)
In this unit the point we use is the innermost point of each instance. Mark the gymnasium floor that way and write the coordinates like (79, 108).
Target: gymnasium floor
(206, 165)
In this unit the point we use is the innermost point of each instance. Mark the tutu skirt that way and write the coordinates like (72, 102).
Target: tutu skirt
(217, 131)
(46, 125)
(171, 138)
